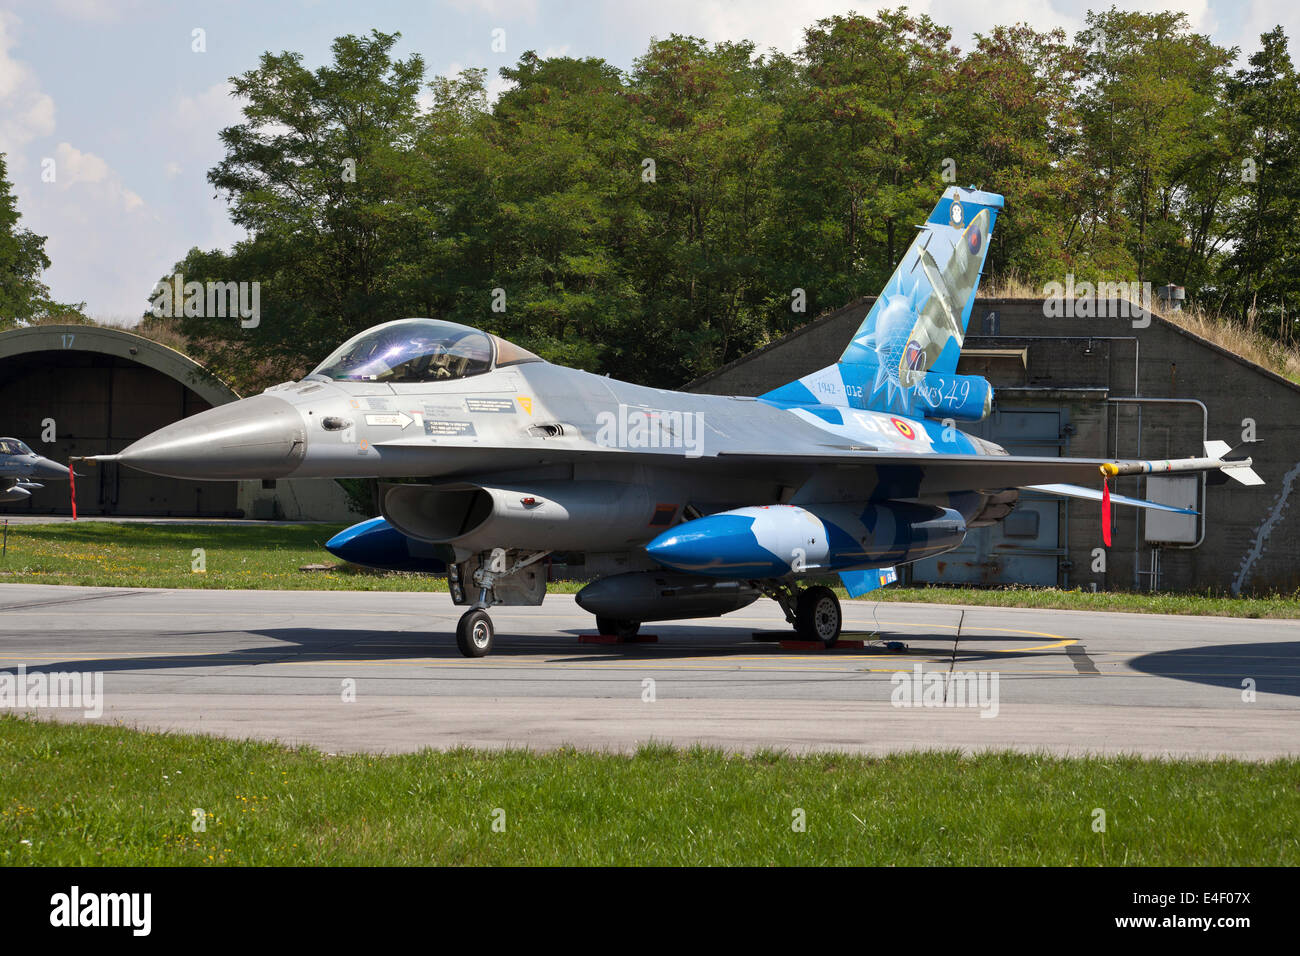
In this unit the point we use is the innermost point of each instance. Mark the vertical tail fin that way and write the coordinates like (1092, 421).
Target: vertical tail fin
(918, 323)
(904, 355)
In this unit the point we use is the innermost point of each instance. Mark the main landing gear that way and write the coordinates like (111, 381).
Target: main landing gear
(814, 612)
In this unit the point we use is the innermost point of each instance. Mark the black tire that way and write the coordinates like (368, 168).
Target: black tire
(617, 627)
(818, 616)
(475, 634)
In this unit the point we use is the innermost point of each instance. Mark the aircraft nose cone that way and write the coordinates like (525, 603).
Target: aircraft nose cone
(45, 468)
(258, 437)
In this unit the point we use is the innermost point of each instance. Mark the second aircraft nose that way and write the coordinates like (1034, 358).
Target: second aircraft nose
(44, 468)
(258, 437)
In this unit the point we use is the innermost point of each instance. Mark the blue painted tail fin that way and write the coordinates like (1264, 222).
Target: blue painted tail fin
(903, 358)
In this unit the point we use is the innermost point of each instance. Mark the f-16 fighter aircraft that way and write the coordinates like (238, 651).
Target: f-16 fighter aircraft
(684, 505)
(22, 471)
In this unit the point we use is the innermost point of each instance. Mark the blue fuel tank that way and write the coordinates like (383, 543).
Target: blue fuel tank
(774, 541)
(377, 544)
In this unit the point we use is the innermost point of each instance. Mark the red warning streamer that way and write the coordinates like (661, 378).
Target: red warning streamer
(72, 488)
(1105, 511)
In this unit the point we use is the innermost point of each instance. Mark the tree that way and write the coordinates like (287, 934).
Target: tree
(658, 222)
(564, 172)
(23, 296)
(321, 172)
(863, 135)
(1259, 275)
(1012, 127)
(1149, 119)
(706, 119)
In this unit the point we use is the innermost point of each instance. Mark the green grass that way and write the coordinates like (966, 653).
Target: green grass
(103, 554)
(77, 795)
(250, 556)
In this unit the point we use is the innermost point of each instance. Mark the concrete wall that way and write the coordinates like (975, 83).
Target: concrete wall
(298, 499)
(1083, 366)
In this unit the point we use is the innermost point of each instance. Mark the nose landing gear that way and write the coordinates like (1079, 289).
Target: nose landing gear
(493, 576)
(475, 633)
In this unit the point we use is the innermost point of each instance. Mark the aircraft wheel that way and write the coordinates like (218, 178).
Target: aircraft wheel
(818, 616)
(475, 634)
(617, 627)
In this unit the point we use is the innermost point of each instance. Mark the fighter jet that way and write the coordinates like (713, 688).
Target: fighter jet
(680, 505)
(22, 471)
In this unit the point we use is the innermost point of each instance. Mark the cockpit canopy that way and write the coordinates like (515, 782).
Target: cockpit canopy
(419, 350)
(12, 446)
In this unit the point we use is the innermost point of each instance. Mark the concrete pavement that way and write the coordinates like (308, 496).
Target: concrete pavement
(281, 664)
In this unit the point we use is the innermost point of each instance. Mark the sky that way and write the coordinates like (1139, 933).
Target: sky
(114, 99)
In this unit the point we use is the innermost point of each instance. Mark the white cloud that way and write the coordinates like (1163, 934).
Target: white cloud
(26, 111)
(73, 168)
(101, 11)
(78, 167)
(505, 9)
(203, 115)
(779, 25)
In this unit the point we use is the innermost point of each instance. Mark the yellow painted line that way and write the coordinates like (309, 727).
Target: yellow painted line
(118, 657)
(628, 664)
(976, 627)
(500, 662)
(1063, 642)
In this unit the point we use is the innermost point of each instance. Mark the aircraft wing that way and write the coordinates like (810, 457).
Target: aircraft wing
(892, 474)
(937, 474)
(920, 475)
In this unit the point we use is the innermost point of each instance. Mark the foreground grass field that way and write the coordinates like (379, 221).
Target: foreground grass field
(269, 556)
(73, 795)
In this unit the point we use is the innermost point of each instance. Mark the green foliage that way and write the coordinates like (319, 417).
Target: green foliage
(1260, 279)
(1016, 132)
(23, 297)
(657, 222)
(1152, 132)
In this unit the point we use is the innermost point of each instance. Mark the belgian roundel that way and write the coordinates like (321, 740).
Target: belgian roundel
(904, 429)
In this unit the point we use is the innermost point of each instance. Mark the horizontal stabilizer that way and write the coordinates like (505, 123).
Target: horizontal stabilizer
(858, 583)
(1094, 494)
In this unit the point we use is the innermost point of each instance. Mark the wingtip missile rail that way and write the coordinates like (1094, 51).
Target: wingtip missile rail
(1237, 468)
